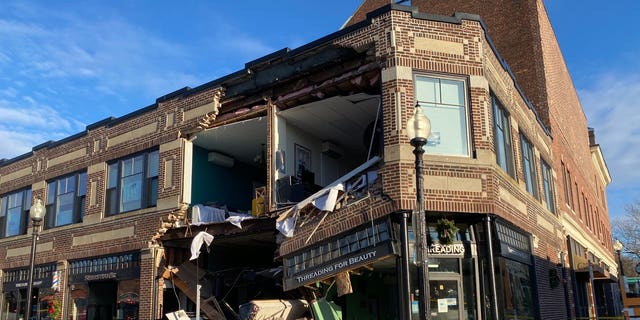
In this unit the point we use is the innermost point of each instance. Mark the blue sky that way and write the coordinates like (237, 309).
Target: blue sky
(67, 64)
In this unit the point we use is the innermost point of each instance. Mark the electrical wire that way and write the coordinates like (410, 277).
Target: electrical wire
(173, 286)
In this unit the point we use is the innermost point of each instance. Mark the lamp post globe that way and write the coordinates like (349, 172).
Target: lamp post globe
(418, 130)
(418, 126)
(36, 213)
(617, 245)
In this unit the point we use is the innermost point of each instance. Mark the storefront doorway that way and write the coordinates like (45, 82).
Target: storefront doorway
(102, 300)
(446, 297)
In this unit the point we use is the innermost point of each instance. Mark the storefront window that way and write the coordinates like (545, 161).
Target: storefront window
(128, 299)
(104, 287)
(14, 284)
(469, 288)
(444, 265)
(517, 290)
(46, 298)
(14, 304)
(445, 303)
(632, 287)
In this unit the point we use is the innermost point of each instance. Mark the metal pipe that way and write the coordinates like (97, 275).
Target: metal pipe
(621, 283)
(405, 281)
(198, 287)
(492, 276)
(421, 233)
(593, 303)
(565, 285)
(154, 285)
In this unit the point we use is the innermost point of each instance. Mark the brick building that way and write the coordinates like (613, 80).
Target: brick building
(300, 168)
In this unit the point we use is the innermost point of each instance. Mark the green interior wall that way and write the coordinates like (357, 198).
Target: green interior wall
(374, 297)
(232, 187)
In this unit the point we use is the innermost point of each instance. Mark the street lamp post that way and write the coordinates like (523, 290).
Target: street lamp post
(36, 212)
(618, 246)
(405, 278)
(418, 130)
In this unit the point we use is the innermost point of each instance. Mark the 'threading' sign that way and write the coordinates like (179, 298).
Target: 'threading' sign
(437, 248)
(338, 265)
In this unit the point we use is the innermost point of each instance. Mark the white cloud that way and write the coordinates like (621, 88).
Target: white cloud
(247, 46)
(17, 143)
(109, 52)
(9, 92)
(24, 126)
(611, 105)
(21, 29)
(61, 68)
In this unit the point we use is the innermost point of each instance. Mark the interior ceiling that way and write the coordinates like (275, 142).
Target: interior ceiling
(242, 140)
(340, 119)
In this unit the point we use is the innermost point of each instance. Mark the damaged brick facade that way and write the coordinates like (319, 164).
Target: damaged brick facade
(379, 55)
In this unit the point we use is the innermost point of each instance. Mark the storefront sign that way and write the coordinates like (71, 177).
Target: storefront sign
(437, 248)
(20, 285)
(515, 254)
(337, 265)
(131, 273)
(17, 278)
(100, 276)
(116, 267)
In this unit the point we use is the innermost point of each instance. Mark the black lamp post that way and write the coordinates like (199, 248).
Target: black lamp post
(418, 130)
(406, 311)
(36, 212)
(618, 246)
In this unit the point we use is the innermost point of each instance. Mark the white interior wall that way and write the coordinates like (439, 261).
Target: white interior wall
(326, 169)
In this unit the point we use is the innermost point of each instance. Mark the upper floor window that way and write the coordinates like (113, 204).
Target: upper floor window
(66, 200)
(528, 166)
(547, 186)
(14, 213)
(564, 183)
(577, 200)
(502, 133)
(570, 187)
(444, 102)
(132, 183)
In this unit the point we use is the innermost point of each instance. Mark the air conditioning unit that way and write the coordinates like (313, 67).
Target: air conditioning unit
(332, 150)
(220, 159)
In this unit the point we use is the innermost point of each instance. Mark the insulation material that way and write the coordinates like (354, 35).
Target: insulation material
(343, 283)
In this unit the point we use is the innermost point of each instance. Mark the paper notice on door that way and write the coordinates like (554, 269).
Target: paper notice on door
(443, 306)
(452, 301)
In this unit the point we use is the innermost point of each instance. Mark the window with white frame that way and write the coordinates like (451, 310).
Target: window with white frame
(66, 199)
(14, 213)
(132, 183)
(547, 186)
(528, 166)
(444, 102)
(502, 133)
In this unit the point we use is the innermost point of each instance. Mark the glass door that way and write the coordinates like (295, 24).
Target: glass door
(446, 299)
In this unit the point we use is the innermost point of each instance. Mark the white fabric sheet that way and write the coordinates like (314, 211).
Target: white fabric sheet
(327, 202)
(200, 238)
(201, 214)
(237, 218)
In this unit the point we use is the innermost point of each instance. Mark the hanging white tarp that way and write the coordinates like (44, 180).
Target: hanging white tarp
(201, 238)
